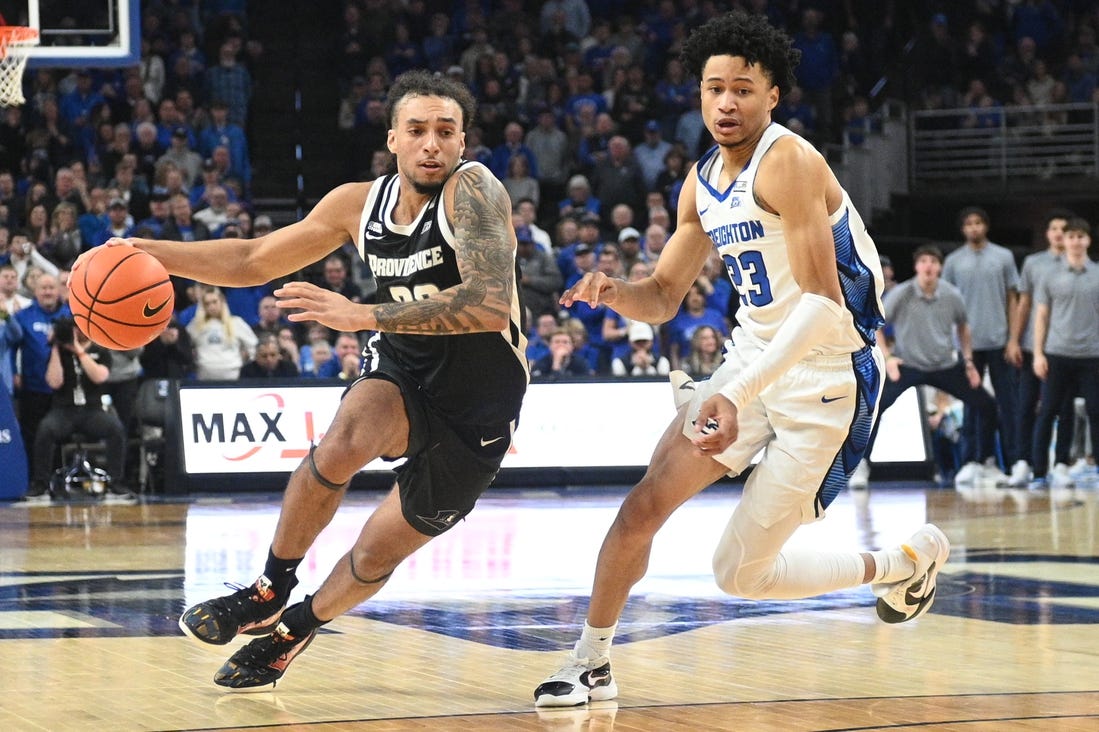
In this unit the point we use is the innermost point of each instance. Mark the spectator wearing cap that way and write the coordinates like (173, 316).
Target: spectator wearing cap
(183, 157)
(159, 213)
(650, 154)
(211, 178)
(131, 188)
(629, 248)
(588, 236)
(604, 260)
(641, 359)
(541, 279)
(119, 222)
(262, 226)
(579, 199)
(221, 132)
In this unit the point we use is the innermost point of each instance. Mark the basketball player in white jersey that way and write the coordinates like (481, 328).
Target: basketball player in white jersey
(444, 373)
(801, 383)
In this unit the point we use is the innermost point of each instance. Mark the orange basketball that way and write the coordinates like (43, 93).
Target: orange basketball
(121, 297)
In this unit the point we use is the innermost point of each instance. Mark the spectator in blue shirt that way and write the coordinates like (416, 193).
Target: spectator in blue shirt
(693, 314)
(36, 321)
(77, 105)
(222, 132)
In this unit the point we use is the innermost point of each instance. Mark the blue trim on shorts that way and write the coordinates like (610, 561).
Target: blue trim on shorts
(868, 382)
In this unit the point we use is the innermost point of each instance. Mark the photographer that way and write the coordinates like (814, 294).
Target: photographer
(77, 372)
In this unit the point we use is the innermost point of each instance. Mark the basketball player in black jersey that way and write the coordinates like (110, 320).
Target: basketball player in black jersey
(443, 378)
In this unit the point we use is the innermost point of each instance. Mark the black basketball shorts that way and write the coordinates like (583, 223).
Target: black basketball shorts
(448, 465)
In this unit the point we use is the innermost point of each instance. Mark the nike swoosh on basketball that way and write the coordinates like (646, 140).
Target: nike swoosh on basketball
(149, 312)
(829, 400)
(486, 443)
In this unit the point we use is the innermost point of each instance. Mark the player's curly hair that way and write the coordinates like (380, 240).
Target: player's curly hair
(748, 36)
(420, 83)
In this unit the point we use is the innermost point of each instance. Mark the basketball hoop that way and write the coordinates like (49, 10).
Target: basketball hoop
(14, 42)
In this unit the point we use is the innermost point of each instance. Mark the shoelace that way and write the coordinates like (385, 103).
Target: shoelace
(235, 600)
(569, 668)
(268, 649)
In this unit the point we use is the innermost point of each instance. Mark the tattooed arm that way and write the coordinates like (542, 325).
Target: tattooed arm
(479, 208)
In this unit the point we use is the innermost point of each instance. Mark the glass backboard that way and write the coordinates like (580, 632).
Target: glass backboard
(79, 32)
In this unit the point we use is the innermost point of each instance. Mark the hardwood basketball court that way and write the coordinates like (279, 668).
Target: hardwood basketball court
(471, 624)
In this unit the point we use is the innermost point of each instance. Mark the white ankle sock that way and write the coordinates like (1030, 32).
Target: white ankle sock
(892, 565)
(595, 642)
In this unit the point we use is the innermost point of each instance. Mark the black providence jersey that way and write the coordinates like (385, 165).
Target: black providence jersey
(472, 378)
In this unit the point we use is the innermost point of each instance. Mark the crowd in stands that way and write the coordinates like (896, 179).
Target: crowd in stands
(585, 114)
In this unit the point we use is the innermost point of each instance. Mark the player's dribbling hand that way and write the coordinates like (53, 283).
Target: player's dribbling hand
(715, 426)
(114, 241)
(323, 306)
(594, 288)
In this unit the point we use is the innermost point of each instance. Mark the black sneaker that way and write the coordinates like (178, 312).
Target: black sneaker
(37, 492)
(252, 610)
(119, 493)
(263, 661)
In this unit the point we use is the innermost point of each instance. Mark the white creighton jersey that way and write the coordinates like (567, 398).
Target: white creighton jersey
(752, 244)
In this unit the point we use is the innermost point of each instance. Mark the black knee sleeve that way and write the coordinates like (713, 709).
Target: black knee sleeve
(360, 580)
(317, 473)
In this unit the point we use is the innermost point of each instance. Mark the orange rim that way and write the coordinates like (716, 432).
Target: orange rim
(16, 35)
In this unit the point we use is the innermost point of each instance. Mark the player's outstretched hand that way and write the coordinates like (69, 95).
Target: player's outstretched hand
(114, 241)
(715, 426)
(594, 288)
(310, 302)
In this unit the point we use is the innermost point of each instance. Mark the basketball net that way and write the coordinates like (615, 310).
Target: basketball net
(14, 42)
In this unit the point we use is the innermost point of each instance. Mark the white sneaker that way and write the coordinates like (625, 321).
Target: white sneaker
(1082, 471)
(991, 473)
(683, 387)
(860, 478)
(968, 473)
(1059, 477)
(1020, 474)
(577, 682)
(909, 599)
